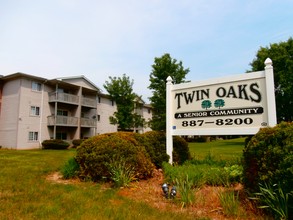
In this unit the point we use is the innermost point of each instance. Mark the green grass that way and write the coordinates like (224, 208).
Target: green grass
(26, 194)
(222, 149)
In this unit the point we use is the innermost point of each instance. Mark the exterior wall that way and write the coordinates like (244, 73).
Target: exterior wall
(147, 115)
(9, 114)
(27, 122)
(16, 121)
(105, 110)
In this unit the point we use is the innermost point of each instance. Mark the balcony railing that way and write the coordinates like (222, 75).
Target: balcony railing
(62, 121)
(86, 122)
(89, 102)
(63, 97)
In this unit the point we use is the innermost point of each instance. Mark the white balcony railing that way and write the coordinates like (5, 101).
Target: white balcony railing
(89, 102)
(86, 122)
(62, 120)
(63, 97)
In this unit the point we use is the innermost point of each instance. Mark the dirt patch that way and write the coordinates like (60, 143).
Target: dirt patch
(207, 203)
(56, 177)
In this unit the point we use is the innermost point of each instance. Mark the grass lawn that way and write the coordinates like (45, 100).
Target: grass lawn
(222, 149)
(26, 194)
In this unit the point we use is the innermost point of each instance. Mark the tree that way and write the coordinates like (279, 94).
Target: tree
(162, 68)
(120, 90)
(282, 56)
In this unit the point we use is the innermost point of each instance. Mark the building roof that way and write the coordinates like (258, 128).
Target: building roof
(19, 74)
(80, 77)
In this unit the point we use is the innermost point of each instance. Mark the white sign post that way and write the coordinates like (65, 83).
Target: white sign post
(235, 105)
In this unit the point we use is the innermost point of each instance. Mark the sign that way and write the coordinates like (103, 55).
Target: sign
(235, 105)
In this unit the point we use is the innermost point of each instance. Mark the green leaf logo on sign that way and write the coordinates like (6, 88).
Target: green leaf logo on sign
(219, 103)
(206, 104)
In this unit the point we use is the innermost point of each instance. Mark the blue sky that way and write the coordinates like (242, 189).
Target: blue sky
(102, 38)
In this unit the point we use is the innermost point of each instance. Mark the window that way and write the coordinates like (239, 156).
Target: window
(112, 102)
(35, 111)
(99, 117)
(61, 135)
(33, 136)
(36, 86)
(62, 112)
(99, 99)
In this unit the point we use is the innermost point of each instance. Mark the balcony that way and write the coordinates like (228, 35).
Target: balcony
(62, 121)
(63, 97)
(86, 122)
(89, 102)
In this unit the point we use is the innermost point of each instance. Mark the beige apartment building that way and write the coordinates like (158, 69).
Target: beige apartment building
(34, 109)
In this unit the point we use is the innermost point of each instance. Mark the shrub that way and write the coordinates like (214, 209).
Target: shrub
(181, 151)
(95, 154)
(268, 159)
(55, 144)
(70, 169)
(77, 142)
(156, 147)
(156, 143)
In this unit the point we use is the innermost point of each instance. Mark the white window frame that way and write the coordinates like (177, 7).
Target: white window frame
(36, 86)
(35, 111)
(33, 136)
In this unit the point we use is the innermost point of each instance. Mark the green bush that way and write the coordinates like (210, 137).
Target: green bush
(95, 154)
(77, 142)
(181, 151)
(156, 143)
(268, 159)
(55, 144)
(156, 147)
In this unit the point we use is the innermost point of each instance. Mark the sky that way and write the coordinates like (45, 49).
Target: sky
(103, 38)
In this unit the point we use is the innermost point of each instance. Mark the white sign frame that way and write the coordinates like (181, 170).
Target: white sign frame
(270, 106)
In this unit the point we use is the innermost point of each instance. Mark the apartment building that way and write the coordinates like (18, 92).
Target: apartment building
(33, 109)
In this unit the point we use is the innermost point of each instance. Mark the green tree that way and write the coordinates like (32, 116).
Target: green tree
(282, 56)
(162, 68)
(120, 90)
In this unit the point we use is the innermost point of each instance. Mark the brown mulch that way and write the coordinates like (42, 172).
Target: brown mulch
(207, 203)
